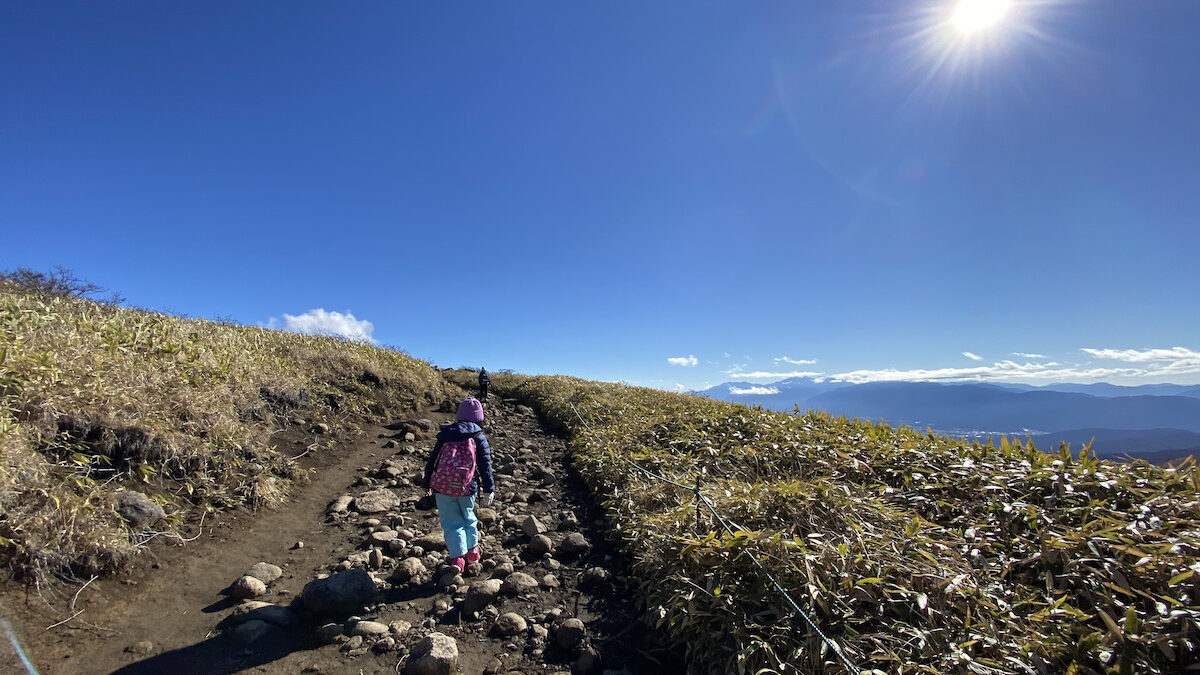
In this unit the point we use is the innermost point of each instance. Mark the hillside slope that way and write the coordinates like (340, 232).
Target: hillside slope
(97, 399)
(916, 553)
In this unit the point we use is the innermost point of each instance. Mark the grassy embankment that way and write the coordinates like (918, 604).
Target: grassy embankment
(919, 553)
(95, 398)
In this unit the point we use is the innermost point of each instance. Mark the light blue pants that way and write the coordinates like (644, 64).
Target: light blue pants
(458, 523)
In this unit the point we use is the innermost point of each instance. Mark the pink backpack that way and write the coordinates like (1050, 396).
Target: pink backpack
(455, 468)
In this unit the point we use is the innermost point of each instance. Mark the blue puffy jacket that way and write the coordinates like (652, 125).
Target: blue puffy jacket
(460, 431)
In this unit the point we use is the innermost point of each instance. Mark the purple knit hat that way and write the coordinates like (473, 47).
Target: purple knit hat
(470, 410)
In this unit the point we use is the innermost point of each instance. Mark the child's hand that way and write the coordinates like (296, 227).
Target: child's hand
(428, 492)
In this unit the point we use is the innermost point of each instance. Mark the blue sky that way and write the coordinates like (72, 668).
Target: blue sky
(595, 189)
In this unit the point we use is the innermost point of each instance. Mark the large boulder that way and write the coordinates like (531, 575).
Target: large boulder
(518, 583)
(376, 501)
(340, 593)
(138, 509)
(435, 654)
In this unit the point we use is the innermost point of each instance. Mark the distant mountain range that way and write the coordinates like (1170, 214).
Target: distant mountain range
(1156, 421)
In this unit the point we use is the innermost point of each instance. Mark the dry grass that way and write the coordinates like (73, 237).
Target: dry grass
(918, 553)
(95, 397)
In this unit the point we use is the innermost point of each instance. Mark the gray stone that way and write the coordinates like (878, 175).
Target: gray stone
(254, 610)
(265, 572)
(449, 578)
(540, 544)
(480, 595)
(340, 505)
(434, 541)
(385, 644)
(142, 648)
(383, 537)
(510, 624)
(518, 583)
(375, 559)
(575, 543)
(369, 628)
(376, 501)
(486, 515)
(340, 593)
(320, 428)
(247, 587)
(399, 627)
(435, 654)
(532, 527)
(570, 633)
(550, 581)
(329, 633)
(594, 576)
(409, 570)
(502, 570)
(138, 509)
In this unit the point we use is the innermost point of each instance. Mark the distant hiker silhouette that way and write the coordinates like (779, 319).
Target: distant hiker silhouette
(484, 381)
(459, 465)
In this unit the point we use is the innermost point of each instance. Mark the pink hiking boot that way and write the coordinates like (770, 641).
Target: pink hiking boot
(459, 564)
(474, 554)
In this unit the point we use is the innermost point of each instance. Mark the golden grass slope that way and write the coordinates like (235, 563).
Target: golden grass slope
(95, 397)
(917, 553)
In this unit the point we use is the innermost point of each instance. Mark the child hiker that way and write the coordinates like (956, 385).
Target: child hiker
(459, 465)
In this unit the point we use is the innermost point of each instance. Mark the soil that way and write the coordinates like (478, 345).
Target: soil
(171, 611)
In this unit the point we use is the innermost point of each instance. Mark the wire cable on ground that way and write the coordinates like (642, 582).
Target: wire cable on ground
(701, 499)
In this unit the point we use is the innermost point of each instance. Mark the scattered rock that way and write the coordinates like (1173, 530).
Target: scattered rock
(486, 515)
(265, 572)
(250, 631)
(480, 595)
(510, 624)
(376, 501)
(375, 559)
(385, 644)
(532, 527)
(399, 628)
(329, 633)
(382, 538)
(595, 576)
(409, 570)
(298, 545)
(540, 544)
(502, 570)
(449, 578)
(247, 587)
(434, 541)
(589, 661)
(340, 593)
(320, 428)
(254, 610)
(518, 583)
(549, 581)
(340, 505)
(138, 509)
(369, 629)
(569, 634)
(143, 648)
(575, 543)
(569, 522)
(435, 654)
(353, 643)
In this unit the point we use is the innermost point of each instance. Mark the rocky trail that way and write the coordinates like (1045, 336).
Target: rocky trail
(351, 576)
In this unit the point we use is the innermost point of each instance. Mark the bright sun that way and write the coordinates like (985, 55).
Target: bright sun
(971, 16)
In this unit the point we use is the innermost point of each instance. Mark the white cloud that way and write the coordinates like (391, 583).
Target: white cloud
(1001, 371)
(767, 375)
(753, 391)
(685, 361)
(1145, 355)
(795, 362)
(973, 357)
(679, 387)
(320, 322)
(1026, 355)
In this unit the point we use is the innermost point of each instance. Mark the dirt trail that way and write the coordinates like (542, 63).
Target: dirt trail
(170, 614)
